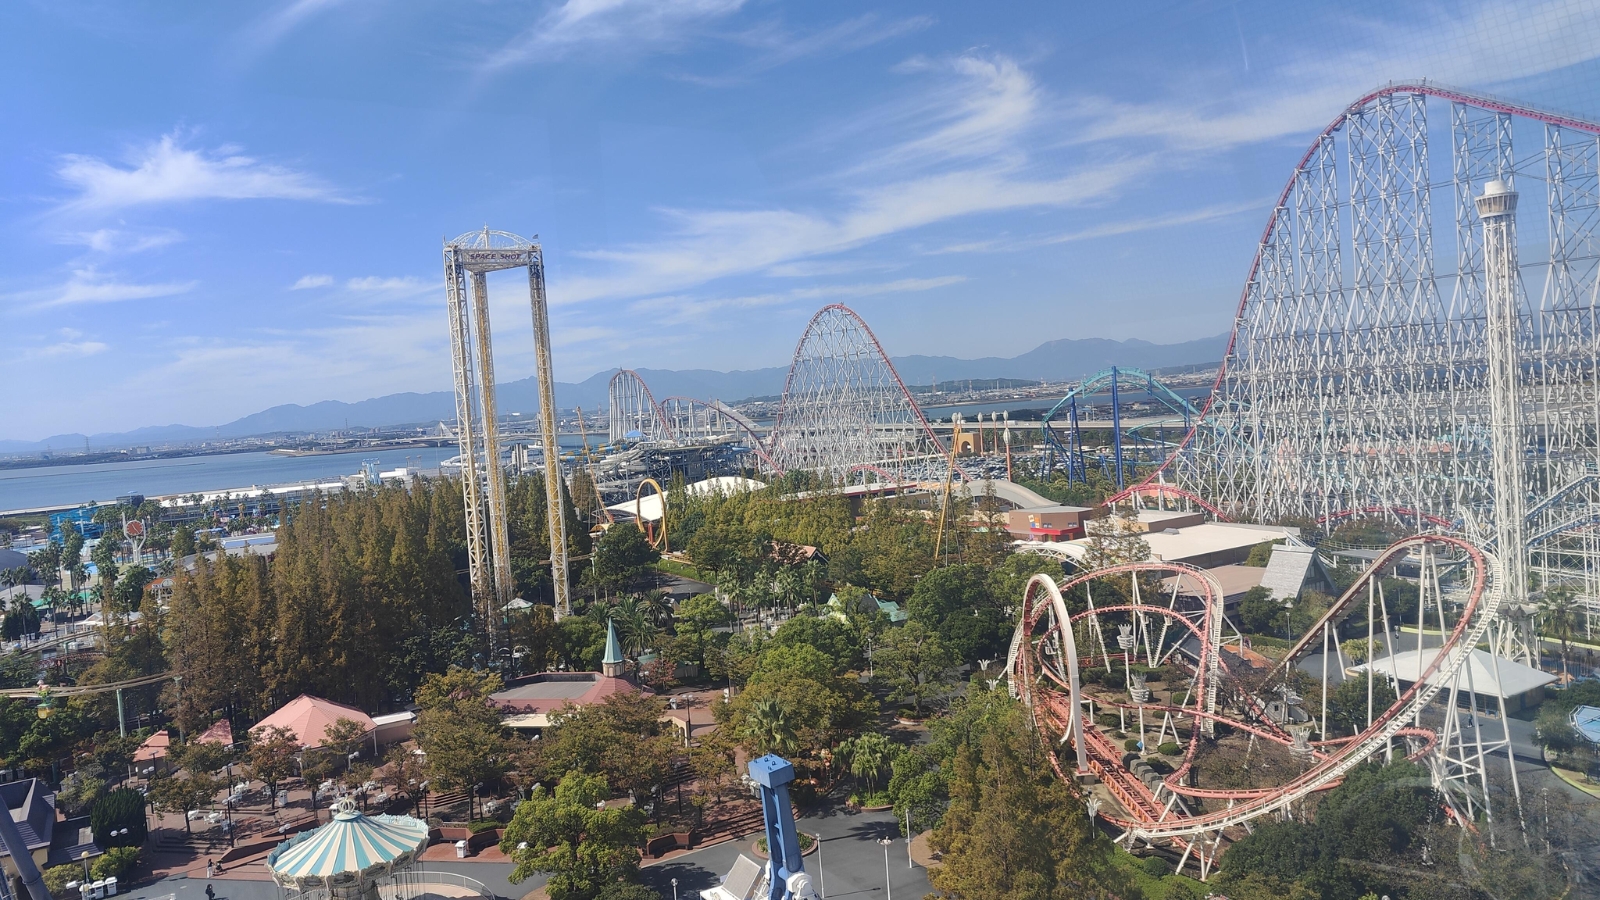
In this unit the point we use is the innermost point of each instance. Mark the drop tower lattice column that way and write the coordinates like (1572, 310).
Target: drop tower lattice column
(1502, 292)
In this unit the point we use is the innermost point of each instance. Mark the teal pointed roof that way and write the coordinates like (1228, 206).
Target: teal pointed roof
(350, 847)
(613, 647)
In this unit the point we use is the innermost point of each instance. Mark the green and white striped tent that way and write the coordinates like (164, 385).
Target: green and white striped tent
(347, 854)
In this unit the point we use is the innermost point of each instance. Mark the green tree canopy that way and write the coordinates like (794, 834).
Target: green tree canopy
(915, 663)
(572, 836)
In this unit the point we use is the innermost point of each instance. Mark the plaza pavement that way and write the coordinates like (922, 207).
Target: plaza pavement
(850, 863)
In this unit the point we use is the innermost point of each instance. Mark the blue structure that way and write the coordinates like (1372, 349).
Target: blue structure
(1063, 432)
(80, 519)
(788, 871)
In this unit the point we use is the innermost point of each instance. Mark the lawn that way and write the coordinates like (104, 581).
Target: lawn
(684, 570)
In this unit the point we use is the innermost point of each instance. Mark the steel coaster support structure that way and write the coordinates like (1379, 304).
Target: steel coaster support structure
(1149, 808)
(844, 404)
(634, 410)
(468, 259)
(1066, 443)
(1373, 366)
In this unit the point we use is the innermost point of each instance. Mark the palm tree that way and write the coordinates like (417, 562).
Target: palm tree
(1559, 610)
(633, 623)
(597, 612)
(868, 754)
(768, 729)
(790, 587)
(658, 605)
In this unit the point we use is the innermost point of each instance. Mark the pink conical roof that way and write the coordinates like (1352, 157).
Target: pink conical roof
(308, 718)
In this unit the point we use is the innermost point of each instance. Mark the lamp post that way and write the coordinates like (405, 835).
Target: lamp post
(674, 889)
(85, 858)
(887, 887)
(822, 877)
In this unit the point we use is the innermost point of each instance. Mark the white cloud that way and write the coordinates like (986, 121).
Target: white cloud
(116, 241)
(586, 23)
(89, 286)
(679, 310)
(993, 102)
(407, 285)
(1451, 46)
(969, 158)
(307, 282)
(714, 244)
(68, 348)
(289, 16)
(779, 46)
(167, 172)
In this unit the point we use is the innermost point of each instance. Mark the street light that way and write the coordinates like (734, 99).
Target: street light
(85, 857)
(887, 887)
(674, 889)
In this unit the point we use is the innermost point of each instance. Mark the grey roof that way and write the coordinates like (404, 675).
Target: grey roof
(33, 807)
(1488, 675)
(10, 559)
(742, 880)
(1286, 570)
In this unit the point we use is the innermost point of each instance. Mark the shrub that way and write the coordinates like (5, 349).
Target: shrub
(114, 862)
(1109, 720)
(118, 809)
(1154, 866)
(56, 879)
(483, 825)
(1131, 745)
(806, 841)
(1169, 748)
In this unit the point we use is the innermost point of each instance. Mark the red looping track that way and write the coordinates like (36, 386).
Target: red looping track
(1042, 686)
(799, 350)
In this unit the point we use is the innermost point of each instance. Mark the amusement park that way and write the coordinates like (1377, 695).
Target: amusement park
(1317, 619)
(1353, 548)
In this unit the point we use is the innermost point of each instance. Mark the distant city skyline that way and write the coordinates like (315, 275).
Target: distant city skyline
(215, 210)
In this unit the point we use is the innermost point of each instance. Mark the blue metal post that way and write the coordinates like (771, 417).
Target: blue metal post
(773, 774)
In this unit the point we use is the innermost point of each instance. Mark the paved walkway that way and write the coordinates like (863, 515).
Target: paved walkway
(849, 862)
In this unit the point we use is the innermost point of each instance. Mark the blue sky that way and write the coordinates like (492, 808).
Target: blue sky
(208, 209)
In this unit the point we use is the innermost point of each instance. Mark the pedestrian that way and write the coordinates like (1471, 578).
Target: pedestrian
(210, 894)
(211, 868)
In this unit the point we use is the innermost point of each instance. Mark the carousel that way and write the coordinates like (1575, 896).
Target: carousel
(350, 858)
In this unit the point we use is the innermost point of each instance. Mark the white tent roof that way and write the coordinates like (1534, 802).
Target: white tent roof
(1514, 678)
(1286, 571)
(649, 508)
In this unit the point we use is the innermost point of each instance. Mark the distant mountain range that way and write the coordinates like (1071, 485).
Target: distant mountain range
(1061, 360)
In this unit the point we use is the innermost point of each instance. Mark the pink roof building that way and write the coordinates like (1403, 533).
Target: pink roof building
(154, 747)
(308, 718)
(220, 732)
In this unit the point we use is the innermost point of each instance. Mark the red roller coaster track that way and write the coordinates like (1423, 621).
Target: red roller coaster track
(1148, 818)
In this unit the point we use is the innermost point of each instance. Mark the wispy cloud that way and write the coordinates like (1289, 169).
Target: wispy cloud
(166, 171)
(1110, 229)
(265, 32)
(624, 23)
(114, 241)
(87, 286)
(308, 282)
(373, 283)
(777, 45)
(967, 162)
(75, 349)
(680, 310)
(1449, 45)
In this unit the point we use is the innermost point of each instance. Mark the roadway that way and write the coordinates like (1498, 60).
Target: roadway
(850, 863)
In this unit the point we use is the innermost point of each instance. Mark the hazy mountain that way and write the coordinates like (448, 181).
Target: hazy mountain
(1054, 361)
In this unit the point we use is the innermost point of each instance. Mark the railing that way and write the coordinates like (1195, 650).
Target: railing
(414, 882)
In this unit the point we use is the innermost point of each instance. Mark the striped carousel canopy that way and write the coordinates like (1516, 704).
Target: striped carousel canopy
(351, 847)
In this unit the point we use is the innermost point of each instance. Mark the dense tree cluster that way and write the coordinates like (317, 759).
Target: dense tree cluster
(360, 601)
(1013, 830)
